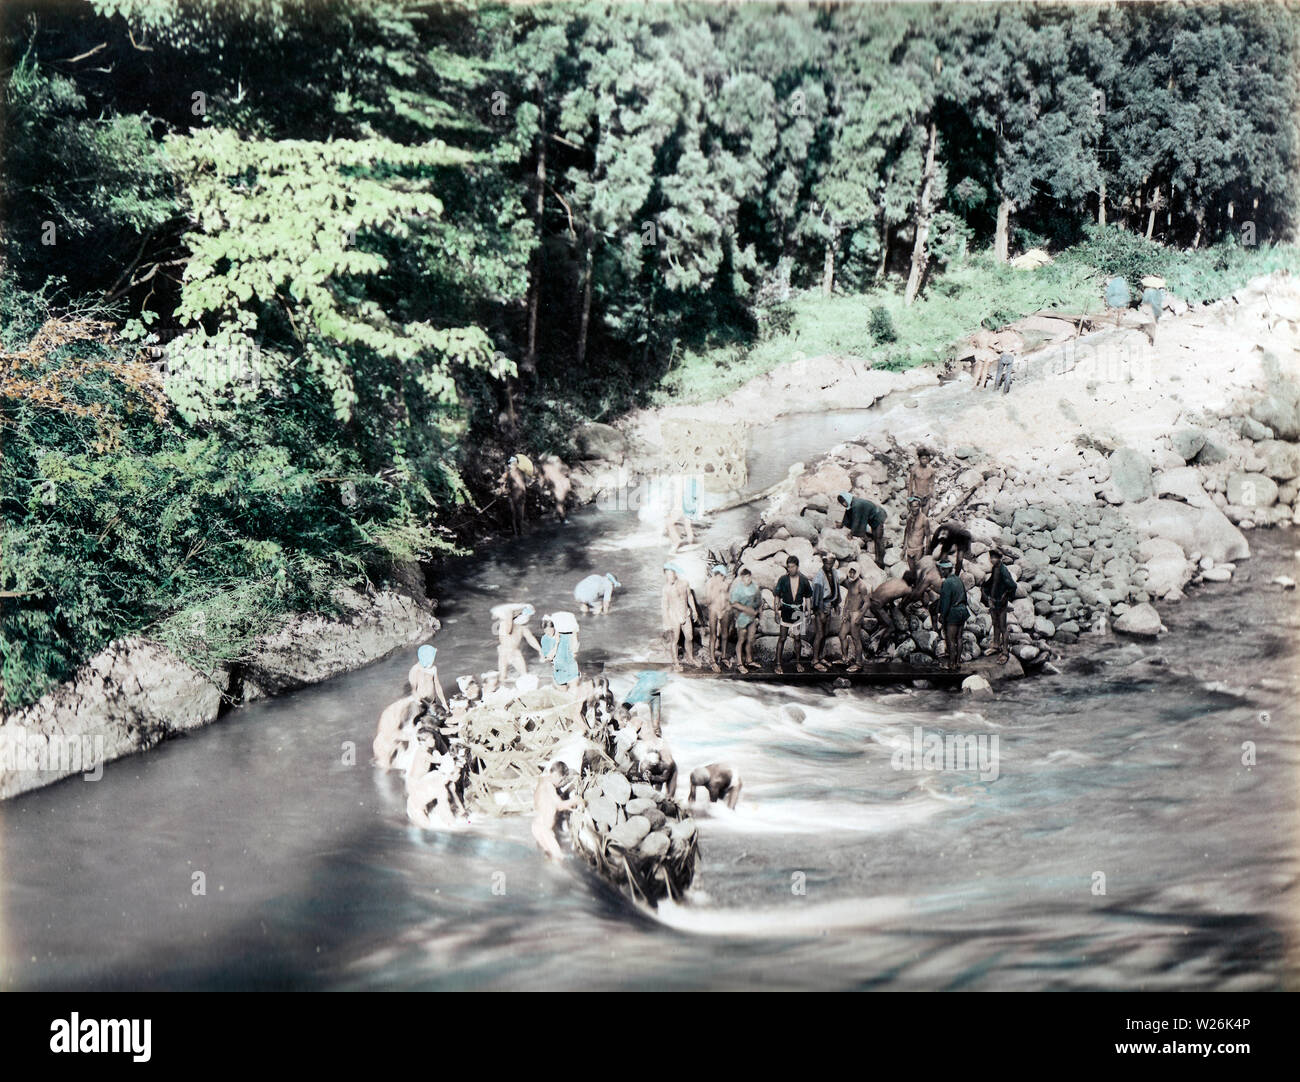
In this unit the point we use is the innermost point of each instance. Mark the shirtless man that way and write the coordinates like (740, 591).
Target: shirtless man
(515, 481)
(851, 613)
(679, 614)
(655, 762)
(423, 676)
(396, 728)
(929, 582)
(717, 600)
(547, 806)
(885, 600)
(431, 784)
(718, 781)
(513, 631)
(916, 532)
(920, 479)
(555, 476)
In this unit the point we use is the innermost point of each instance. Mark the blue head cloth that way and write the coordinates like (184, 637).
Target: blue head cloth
(670, 566)
(526, 612)
(718, 569)
(426, 654)
(847, 497)
(613, 580)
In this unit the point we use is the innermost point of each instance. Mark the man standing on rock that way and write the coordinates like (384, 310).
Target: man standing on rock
(851, 611)
(920, 479)
(951, 537)
(825, 600)
(998, 591)
(717, 598)
(679, 614)
(865, 519)
(916, 532)
(593, 592)
(746, 601)
(953, 612)
(793, 597)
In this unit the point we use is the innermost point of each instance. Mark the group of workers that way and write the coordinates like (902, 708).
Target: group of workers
(830, 604)
(418, 734)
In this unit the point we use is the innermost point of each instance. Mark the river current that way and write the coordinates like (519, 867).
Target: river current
(1141, 831)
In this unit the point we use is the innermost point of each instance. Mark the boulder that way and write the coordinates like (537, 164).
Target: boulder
(829, 479)
(1130, 475)
(1218, 573)
(1141, 620)
(764, 549)
(1211, 454)
(1251, 490)
(1196, 529)
(1281, 459)
(1251, 429)
(1279, 414)
(976, 685)
(1187, 443)
(1183, 483)
(596, 440)
(835, 540)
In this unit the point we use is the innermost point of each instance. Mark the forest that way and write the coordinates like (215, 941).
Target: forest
(283, 283)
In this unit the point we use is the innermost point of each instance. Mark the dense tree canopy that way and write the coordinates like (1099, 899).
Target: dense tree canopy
(348, 254)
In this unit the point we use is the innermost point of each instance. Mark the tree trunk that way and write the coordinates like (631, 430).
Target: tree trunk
(1200, 227)
(884, 250)
(1002, 238)
(1101, 203)
(586, 297)
(923, 212)
(828, 264)
(1151, 216)
(535, 276)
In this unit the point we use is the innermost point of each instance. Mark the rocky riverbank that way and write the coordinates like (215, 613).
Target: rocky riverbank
(136, 693)
(1118, 472)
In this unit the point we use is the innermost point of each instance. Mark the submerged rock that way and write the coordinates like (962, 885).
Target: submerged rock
(1140, 620)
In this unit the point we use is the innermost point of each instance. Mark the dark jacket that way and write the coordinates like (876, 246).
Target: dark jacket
(952, 601)
(1000, 589)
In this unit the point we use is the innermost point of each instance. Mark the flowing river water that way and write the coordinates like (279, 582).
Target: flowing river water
(1123, 844)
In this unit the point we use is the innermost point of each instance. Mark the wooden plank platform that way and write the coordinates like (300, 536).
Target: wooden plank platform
(870, 675)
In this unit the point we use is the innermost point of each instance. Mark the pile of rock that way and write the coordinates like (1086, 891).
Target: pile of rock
(1098, 529)
(635, 835)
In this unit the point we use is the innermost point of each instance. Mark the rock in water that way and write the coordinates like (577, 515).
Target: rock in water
(654, 845)
(1219, 573)
(615, 786)
(1141, 620)
(629, 833)
(976, 685)
(792, 713)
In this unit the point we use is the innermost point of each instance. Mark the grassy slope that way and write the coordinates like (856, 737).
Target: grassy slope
(955, 304)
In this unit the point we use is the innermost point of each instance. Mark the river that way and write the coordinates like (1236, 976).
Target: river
(1124, 843)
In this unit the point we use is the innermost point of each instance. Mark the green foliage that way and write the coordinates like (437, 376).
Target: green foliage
(881, 326)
